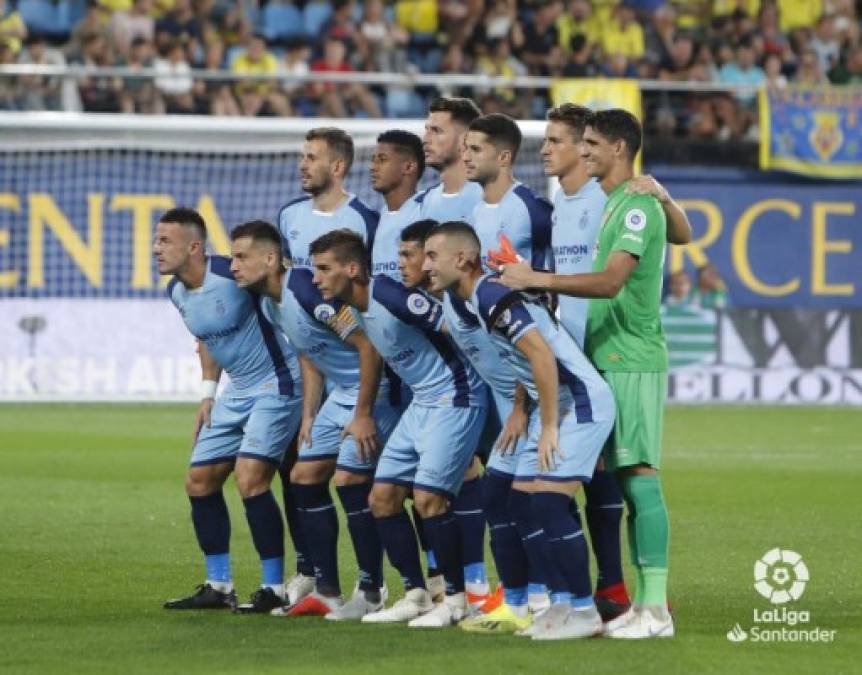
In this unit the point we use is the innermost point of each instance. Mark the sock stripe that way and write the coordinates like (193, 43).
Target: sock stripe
(318, 509)
(468, 513)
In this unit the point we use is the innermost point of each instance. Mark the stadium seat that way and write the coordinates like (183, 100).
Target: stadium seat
(314, 16)
(280, 21)
(40, 16)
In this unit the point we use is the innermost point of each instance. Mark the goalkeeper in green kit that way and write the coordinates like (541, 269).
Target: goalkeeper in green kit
(625, 340)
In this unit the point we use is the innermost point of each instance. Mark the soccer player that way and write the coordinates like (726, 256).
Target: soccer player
(245, 430)
(576, 218)
(625, 340)
(397, 164)
(517, 542)
(342, 437)
(508, 206)
(455, 197)
(326, 158)
(434, 441)
(573, 416)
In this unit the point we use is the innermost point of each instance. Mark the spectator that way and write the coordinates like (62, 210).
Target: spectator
(174, 81)
(679, 289)
(12, 28)
(798, 14)
(259, 97)
(499, 20)
(8, 83)
(139, 94)
(825, 44)
(579, 63)
(743, 71)
(618, 66)
(772, 67)
(386, 42)
(180, 25)
(296, 63)
(680, 60)
(94, 22)
(578, 20)
(711, 292)
(623, 35)
(499, 62)
(849, 72)
(808, 72)
(540, 37)
(342, 26)
(658, 40)
(99, 93)
(126, 26)
(40, 92)
(337, 100)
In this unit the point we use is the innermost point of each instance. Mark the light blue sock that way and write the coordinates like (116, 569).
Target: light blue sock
(582, 603)
(474, 573)
(218, 567)
(515, 597)
(536, 589)
(432, 561)
(272, 571)
(561, 597)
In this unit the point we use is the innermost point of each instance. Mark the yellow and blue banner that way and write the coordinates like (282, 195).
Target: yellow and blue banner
(812, 131)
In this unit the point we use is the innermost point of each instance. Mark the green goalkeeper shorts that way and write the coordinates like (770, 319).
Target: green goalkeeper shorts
(637, 434)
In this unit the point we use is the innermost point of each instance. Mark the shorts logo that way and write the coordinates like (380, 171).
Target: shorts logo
(635, 220)
(780, 576)
(505, 318)
(418, 303)
(324, 313)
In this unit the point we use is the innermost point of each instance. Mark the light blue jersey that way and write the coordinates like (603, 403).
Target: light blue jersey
(524, 217)
(300, 224)
(232, 325)
(317, 329)
(384, 253)
(585, 404)
(443, 206)
(576, 222)
(404, 326)
(508, 316)
(260, 410)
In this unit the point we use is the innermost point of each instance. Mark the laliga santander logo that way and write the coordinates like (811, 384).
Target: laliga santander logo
(780, 576)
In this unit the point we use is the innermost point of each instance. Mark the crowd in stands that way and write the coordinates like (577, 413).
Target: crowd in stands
(770, 42)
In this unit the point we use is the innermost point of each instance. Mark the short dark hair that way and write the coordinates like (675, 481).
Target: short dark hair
(462, 110)
(406, 143)
(457, 228)
(346, 245)
(618, 124)
(572, 115)
(337, 140)
(501, 130)
(419, 231)
(187, 218)
(257, 230)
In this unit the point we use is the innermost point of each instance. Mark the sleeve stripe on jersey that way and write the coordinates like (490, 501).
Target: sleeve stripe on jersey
(583, 405)
(539, 210)
(282, 371)
(371, 219)
(172, 284)
(220, 265)
(455, 364)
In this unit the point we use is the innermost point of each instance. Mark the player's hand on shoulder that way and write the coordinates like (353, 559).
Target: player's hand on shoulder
(647, 185)
(517, 276)
(202, 417)
(364, 432)
(549, 448)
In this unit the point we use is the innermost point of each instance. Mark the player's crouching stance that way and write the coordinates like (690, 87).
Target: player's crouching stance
(572, 420)
(432, 444)
(342, 437)
(247, 429)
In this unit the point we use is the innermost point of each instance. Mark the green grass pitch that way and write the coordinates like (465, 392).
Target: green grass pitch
(95, 535)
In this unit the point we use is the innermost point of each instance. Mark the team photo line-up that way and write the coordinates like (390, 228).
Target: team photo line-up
(465, 359)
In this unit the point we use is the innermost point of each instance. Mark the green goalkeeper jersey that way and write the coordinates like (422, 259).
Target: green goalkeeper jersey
(624, 333)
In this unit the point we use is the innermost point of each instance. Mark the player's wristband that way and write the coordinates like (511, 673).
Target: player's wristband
(208, 389)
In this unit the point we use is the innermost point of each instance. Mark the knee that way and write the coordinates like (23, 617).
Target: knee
(311, 473)
(200, 482)
(252, 484)
(345, 478)
(383, 501)
(474, 470)
(429, 504)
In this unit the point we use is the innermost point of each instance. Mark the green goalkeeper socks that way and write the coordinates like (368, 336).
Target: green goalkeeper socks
(648, 536)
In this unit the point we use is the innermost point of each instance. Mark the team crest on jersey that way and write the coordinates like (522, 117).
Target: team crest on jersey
(324, 312)
(635, 220)
(219, 305)
(293, 234)
(584, 221)
(418, 303)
